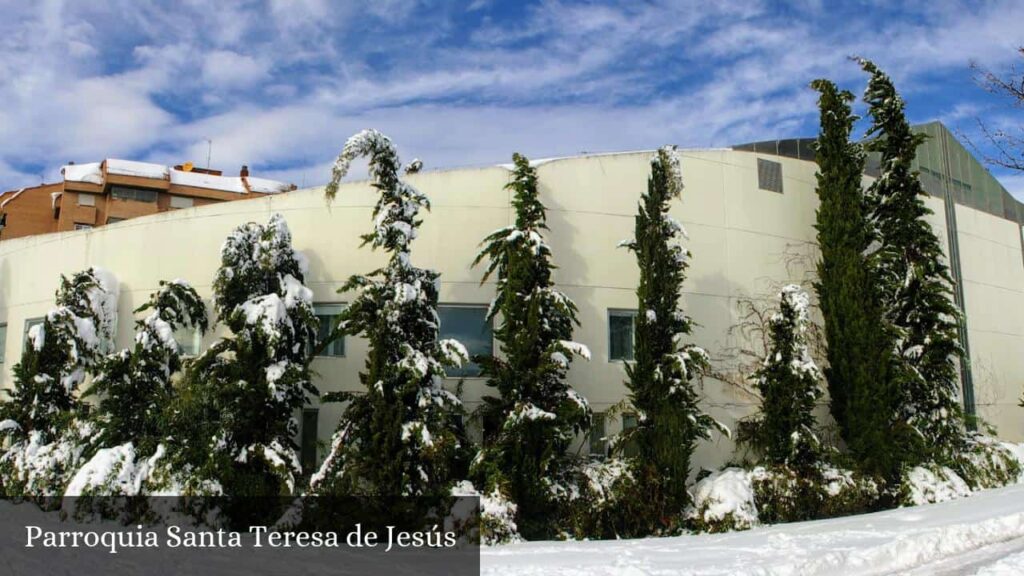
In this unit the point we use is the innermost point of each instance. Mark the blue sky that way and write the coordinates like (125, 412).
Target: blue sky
(279, 85)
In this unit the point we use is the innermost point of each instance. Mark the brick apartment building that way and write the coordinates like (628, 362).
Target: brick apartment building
(100, 193)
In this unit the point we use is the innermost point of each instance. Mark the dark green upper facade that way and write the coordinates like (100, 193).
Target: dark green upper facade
(942, 160)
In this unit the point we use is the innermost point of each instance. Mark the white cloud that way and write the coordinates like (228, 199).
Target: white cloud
(230, 70)
(281, 88)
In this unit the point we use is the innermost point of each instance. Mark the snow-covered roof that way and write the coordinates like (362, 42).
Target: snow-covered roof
(267, 186)
(92, 173)
(200, 180)
(138, 169)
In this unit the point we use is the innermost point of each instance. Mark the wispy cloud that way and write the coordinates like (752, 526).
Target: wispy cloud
(279, 85)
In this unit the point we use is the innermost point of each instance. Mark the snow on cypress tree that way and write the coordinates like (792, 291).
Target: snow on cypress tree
(863, 397)
(537, 413)
(398, 438)
(661, 389)
(46, 440)
(788, 381)
(134, 385)
(68, 344)
(914, 279)
(245, 389)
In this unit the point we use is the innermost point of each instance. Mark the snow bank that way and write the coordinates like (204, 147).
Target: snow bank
(891, 542)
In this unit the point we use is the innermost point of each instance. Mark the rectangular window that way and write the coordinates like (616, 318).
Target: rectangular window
(769, 175)
(620, 334)
(80, 226)
(86, 199)
(190, 340)
(132, 193)
(327, 314)
(181, 202)
(468, 325)
(307, 450)
(629, 450)
(28, 327)
(114, 219)
(3, 342)
(598, 445)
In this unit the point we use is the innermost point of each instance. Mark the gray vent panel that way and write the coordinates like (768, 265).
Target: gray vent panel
(769, 175)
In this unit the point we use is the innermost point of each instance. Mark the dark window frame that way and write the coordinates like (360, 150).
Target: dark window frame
(318, 308)
(467, 371)
(133, 193)
(622, 313)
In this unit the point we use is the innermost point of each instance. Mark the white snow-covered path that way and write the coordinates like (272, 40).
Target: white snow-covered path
(983, 534)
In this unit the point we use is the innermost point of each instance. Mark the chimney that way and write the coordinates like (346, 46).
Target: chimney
(244, 172)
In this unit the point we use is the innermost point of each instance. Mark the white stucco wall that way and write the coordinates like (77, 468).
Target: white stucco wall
(745, 242)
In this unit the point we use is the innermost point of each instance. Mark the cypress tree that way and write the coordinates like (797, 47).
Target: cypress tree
(914, 280)
(661, 390)
(237, 406)
(134, 386)
(69, 343)
(788, 381)
(399, 438)
(863, 394)
(536, 414)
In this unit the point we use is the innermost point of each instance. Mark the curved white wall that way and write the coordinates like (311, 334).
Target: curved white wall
(745, 242)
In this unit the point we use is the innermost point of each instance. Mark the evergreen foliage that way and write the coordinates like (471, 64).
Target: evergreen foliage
(788, 381)
(70, 342)
(400, 437)
(915, 284)
(240, 395)
(532, 421)
(661, 388)
(862, 390)
(134, 386)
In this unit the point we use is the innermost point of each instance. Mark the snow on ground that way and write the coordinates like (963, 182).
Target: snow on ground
(891, 542)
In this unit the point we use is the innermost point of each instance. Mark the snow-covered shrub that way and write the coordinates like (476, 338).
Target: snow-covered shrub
(987, 463)
(37, 469)
(724, 501)
(930, 483)
(737, 499)
(845, 492)
(497, 514)
(598, 501)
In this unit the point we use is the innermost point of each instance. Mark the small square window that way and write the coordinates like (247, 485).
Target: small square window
(80, 226)
(190, 340)
(620, 334)
(181, 202)
(29, 325)
(470, 326)
(86, 199)
(327, 314)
